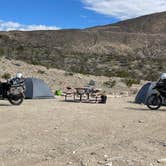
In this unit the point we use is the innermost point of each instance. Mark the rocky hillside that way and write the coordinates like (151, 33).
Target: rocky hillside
(134, 48)
(59, 79)
(150, 24)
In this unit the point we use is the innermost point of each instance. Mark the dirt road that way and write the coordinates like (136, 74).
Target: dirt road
(58, 133)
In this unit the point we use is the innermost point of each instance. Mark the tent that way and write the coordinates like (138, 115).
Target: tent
(37, 89)
(145, 92)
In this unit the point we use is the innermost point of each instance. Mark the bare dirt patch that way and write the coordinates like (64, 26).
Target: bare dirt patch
(54, 132)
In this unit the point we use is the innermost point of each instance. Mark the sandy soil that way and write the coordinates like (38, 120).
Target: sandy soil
(58, 133)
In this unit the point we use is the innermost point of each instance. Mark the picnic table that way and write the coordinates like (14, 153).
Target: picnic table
(87, 92)
(80, 92)
(84, 93)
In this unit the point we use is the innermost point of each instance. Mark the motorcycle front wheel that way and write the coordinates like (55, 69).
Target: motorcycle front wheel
(16, 100)
(154, 102)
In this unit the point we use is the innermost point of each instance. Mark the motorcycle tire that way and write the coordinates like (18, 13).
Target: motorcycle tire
(154, 102)
(17, 100)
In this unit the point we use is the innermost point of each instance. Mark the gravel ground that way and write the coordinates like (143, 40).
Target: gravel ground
(58, 133)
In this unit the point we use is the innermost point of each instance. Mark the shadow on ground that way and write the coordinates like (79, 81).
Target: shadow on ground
(4, 105)
(144, 109)
(78, 101)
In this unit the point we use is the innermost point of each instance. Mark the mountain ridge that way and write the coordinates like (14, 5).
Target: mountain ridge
(140, 24)
(135, 49)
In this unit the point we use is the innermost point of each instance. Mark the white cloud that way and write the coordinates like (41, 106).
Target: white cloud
(9, 26)
(124, 9)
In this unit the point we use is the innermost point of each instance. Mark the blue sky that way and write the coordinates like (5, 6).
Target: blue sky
(60, 14)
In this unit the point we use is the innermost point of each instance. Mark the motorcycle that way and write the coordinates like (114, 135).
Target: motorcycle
(13, 91)
(156, 100)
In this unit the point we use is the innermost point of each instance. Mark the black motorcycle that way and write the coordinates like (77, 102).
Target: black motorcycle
(12, 90)
(156, 100)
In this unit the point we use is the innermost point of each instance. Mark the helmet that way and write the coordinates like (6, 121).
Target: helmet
(18, 75)
(163, 76)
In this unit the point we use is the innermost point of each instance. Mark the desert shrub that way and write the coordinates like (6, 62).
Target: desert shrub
(2, 52)
(68, 73)
(6, 76)
(35, 62)
(110, 83)
(47, 67)
(41, 71)
(122, 74)
(83, 70)
(20, 48)
(153, 76)
(129, 82)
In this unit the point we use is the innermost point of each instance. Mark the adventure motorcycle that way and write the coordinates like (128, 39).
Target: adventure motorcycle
(12, 90)
(155, 100)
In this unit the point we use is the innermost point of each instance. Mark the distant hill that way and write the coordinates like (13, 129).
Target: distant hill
(151, 24)
(132, 48)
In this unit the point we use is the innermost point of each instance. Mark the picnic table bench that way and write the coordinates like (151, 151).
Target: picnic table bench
(84, 94)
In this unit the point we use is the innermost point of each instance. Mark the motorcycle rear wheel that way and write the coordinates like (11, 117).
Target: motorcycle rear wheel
(16, 101)
(154, 102)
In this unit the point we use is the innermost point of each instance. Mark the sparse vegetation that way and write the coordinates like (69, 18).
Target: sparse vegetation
(69, 73)
(129, 82)
(122, 74)
(110, 83)
(35, 62)
(20, 48)
(6, 76)
(41, 71)
(2, 52)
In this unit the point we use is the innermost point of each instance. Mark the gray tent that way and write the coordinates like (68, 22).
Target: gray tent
(145, 92)
(37, 89)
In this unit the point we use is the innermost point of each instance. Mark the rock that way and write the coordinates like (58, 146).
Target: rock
(83, 163)
(108, 164)
(140, 121)
(69, 163)
(100, 162)
(93, 153)
(161, 160)
(163, 144)
(17, 64)
(74, 152)
(105, 156)
(123, 126)
(48, 158)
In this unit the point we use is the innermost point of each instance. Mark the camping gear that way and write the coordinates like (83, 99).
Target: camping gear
(58, 93)
(92, 83)
(103, 99)
(145, 92)
(13, 91)
(37, 89)
(155, 101)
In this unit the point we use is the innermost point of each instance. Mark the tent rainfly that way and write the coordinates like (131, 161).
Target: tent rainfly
(37, 89)
(145, 92)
